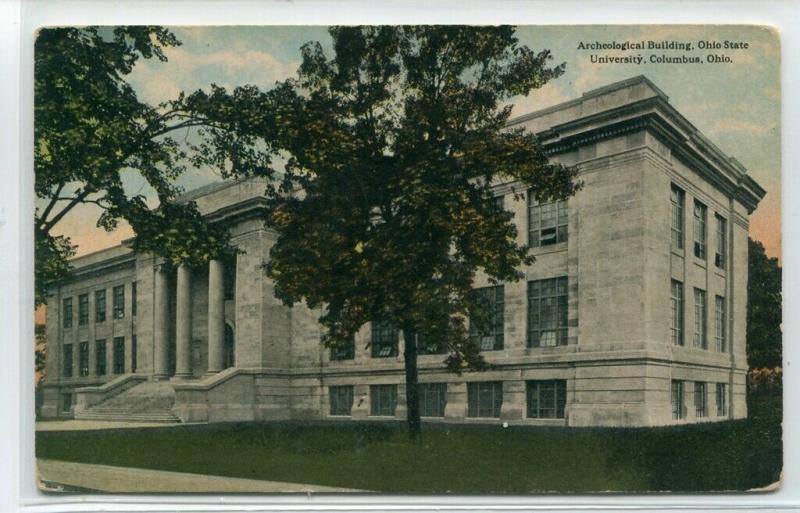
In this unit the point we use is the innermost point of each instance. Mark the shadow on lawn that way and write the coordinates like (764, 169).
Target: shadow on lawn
(737, 455)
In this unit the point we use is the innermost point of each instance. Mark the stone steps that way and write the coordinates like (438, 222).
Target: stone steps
(146, 402)
(165, 416)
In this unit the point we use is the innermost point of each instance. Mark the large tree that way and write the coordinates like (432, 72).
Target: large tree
(764, 304)
(91, 130)
(385, 211)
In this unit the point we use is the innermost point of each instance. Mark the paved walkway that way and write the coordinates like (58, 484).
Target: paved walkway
(79, 425)
(104, 478)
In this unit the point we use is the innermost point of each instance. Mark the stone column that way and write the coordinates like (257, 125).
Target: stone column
(216, 316)
(160, 326)
(183, 324)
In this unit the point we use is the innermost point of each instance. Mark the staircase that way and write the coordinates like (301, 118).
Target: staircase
(149, 401)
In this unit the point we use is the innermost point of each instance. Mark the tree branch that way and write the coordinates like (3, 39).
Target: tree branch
(77, 199)
(53, 201)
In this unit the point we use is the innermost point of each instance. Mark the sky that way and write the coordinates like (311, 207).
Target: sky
(734, 104)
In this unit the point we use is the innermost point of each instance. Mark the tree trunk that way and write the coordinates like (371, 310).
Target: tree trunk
(412, 389)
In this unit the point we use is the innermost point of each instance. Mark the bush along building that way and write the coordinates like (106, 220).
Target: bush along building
(632, 315)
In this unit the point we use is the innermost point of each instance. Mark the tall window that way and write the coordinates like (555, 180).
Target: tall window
(384, 339)
(547, 222)
(83, 309)
(699, 230)
(677, 400)
(119, 302)
(133, 353)
(424, 344)
(119, 355)
(100, 357)
(66, 402)
(488, 333)
(67, 313)
(432, 399)
(83, 359)
(547, 399)
(484, 399)
(547, 312)
(346, 351)
(722, 342)
(722, 242)
(677, 312)
(341, 400)
(133, 298)
(700, 315)
(677, 199)
(722, 399)
(99, 305)
(67, 351)
(700, 409)
(383, 400)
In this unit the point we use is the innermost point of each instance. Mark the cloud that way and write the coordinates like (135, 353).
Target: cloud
(190, 70)
(739, 125)
(549, 95)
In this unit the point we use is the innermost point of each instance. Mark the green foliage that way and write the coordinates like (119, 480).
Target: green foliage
(718, 456)
(90, 127)
(764, 307)
(385, 208)
(40, 352)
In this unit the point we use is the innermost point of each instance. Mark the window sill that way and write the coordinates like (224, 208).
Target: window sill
(550, 248)
(700, 262)
(678, 252)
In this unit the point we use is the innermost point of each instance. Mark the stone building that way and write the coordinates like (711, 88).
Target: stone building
(632, 315)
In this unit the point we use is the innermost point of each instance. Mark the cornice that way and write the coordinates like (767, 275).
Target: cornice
(660, 119)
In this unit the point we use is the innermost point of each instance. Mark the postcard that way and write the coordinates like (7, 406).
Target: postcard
(428, 259)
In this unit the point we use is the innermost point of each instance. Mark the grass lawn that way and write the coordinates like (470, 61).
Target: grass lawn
(461, 459)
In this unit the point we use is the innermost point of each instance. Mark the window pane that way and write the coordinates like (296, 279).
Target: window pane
(700, 399)
(119, 355)
(677, 400)
(67, 354)
(722, 399)
(548, 312)
(677, 199)
(344, 352)
(383, 399)
(484, 399)
(432, 399)
(83, 359)
(699, 230)
(100, 357)
(67, 313)
(722, 242)
(720, 324)
(385, 339)
(83, 309)
(489, 335)
(547, 222)
(341, 400)
(700, 314)
(119, 302)
(99, 305)
(677, 312)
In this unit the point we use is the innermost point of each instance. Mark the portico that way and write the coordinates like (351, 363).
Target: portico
(183, 291)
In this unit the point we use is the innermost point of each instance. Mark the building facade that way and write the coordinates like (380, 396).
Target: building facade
(632, 315)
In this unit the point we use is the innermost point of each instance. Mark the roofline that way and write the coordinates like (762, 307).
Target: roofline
(741, 185)
(592, 93)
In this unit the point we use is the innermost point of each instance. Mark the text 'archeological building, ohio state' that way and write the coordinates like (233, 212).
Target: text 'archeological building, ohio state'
(632, 315)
